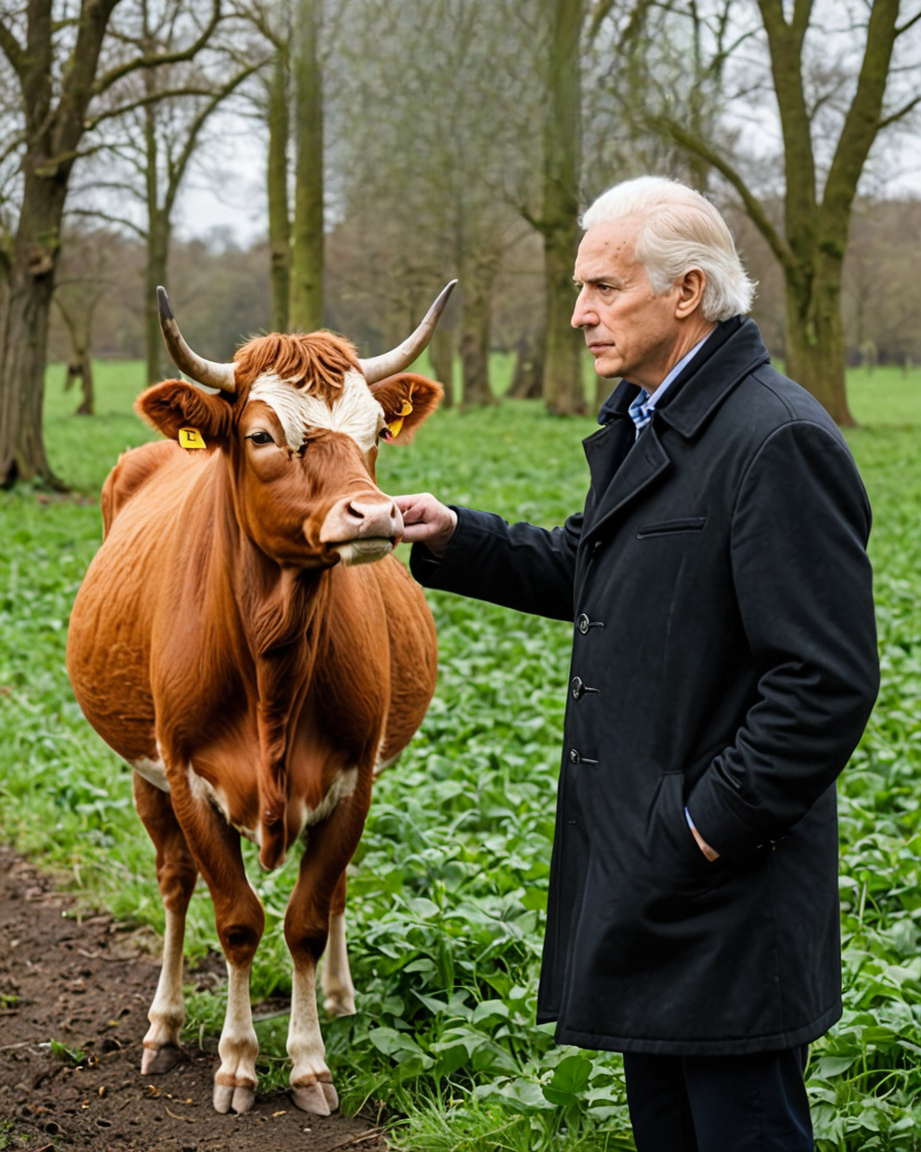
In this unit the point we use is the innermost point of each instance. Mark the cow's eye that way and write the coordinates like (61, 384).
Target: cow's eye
(260, 437)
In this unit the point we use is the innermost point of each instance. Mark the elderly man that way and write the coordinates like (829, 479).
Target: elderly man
(724, 665)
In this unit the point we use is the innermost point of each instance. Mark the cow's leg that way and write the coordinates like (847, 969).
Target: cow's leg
(338, 989)
(176, 874)
(240, 921)
(330, 846)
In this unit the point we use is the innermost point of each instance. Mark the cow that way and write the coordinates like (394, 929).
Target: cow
(245, 640)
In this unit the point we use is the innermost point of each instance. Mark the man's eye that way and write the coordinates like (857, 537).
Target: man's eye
(260, 438)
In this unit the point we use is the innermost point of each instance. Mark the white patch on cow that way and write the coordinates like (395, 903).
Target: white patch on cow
(354, 412)
(343, 785)
(153, 771)
(207, 793)
(382, 765)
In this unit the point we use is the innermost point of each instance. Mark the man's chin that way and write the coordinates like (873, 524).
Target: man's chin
(605, 370)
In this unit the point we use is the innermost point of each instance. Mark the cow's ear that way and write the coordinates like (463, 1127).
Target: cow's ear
(407, 400)
(185, 413)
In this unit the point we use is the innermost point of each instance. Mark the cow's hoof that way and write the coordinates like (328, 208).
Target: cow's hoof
(318, 1097)
(156, 1061)
(336, 1005)
(237, 1098)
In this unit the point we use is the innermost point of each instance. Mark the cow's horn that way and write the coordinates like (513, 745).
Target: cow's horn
(388, 363)
(202, 371)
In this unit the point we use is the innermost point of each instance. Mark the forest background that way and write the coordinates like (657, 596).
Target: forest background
(373, 150)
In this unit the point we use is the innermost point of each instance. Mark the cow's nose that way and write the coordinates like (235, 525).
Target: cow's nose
(375, 519)
(351, 518)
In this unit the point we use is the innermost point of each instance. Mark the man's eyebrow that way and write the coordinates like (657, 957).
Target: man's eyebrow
(614, 281)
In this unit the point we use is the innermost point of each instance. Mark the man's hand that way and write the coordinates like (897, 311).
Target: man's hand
(426, 521)
(710, 853)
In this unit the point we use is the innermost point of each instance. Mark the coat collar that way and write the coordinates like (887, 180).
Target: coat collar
(620, 468)
(732, 350)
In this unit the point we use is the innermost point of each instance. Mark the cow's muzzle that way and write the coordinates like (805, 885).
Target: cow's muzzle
(362, 530)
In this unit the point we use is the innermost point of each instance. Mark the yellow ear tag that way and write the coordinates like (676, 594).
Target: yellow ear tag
(191, 438)
(397, 424)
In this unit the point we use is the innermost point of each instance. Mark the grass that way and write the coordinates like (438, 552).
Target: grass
(448, 890)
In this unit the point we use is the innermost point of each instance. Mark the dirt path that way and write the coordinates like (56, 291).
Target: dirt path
(87, 986)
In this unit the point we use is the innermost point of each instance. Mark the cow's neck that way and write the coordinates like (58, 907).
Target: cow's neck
(280, 610)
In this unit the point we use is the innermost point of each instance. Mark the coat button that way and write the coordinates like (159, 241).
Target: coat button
(583, 623)
(577, 688)
(577, 758)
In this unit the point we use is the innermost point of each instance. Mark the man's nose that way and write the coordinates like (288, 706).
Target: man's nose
(582, 315)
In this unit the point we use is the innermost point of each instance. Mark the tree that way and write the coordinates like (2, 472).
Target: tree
(82, 282)
(832, 78)
(430, 189)
(56, 58)
(307, 239)
(155, 128)
(558, 221)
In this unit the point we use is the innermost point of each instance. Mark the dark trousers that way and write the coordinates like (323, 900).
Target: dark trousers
(754, 1103)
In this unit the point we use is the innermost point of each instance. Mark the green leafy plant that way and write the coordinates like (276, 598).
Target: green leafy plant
(448, 889)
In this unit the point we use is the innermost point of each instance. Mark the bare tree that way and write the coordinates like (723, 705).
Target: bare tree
(558, 220)
(837, 75)
(56, 54)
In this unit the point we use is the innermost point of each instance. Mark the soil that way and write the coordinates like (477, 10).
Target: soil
(85, 982)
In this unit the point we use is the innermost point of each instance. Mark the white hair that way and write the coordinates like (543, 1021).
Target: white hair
(679, 230)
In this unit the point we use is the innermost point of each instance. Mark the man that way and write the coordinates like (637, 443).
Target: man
(724, 665)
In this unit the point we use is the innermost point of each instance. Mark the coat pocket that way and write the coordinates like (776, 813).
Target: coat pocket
(675, 862)
(670, 527)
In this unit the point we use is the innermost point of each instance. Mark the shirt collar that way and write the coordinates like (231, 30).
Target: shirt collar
(682, 363)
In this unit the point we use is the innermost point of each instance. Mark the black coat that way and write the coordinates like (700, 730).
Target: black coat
(724, 658)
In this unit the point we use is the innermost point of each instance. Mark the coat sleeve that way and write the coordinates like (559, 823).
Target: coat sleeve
(517, 566)
(804, 589)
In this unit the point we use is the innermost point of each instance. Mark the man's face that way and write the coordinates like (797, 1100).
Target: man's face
(629, 330)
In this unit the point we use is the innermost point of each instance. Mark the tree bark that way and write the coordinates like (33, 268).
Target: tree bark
(25, 341)
(307, 249)
(277, 184)
(478, 277)
(528, 373)
(441, 355)
(563, 393)
(815, 350)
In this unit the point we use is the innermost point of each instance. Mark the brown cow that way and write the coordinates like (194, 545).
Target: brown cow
(231, 644)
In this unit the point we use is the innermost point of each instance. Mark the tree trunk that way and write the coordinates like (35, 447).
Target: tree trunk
(528, 374)
(441, 355)
(563, 393)
(80, 366)
(477, 276)
(277, 182)
(158, 232)
(815, 339)
(25, 336)
(307, 251)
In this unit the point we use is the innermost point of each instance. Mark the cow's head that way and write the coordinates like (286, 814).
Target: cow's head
(300, 420)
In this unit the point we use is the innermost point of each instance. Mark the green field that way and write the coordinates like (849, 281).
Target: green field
(448, 890)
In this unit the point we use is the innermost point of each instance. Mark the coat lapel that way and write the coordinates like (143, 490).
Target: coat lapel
(623, 467)
(643, 461)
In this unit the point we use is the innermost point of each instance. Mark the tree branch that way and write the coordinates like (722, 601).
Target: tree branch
(11, 49)
(103, 83)
(752, 204)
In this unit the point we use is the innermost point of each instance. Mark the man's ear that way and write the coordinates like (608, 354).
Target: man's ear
(185, 413)
(407, 400)
(690, 292)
